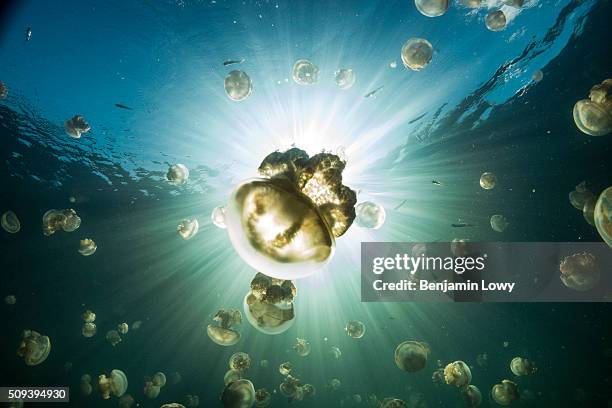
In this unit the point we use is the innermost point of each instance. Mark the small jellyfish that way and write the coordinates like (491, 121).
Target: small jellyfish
(55, 220)
(416, 53)
(188, 228)
(335, 384)
(309, 390)
(357, 398)
(223, 334)
(89, 329)
(522, 366)
(3, 91)
(393, 403)
(505, 392)
(175, 377)
(85, 385)
(495, 20)
(603, 216)
(87, 247)
(10, 222)
(263, 398)
(537, 76)
(269, 305)
(580, 271)
(76, 126)
(264, 363)
(238, 85)
(345, 78)
(171, 404)
(218, 217)
(482, 359)
(336, 353)
(151, 390)
(593, 116)
(291, 387)
(411, 356)
(231, 375)
(10, 300)
(34, 347)
(588, 211)
(113, 337)
(514, 3)
(437, 377)
(159, 379)
(472, 3)
(88, 316)
(116, 384)
(305, 72)
(499, 223)
(136, 325)
(458, 374)
(126, 401)
(302, 347)
(355, 329)
(238, 394)
(123, 328)
(240, 361)
(285, 368)
(580, 195)
(488, 180)
(472, 396)
(192, 401)
(177, 174)
(431, 8)
(370, 215)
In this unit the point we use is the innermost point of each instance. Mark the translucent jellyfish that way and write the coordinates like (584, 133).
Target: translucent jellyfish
(286, 223)
(370, 215)
(522, 366)
(151, 390)
(437, 377)
(116, 384)
(3, 91)
(85, 385)
(416, 53)
(588, 211)
(335, 384)
(345, 78)
(458, 374)
(223, 334)
(87, 247)
(580, 271)
(76, 126)
(263, 398)
(357, 398)
(336, 353)
(431, 8)
(472, 3)
(238, 85)
(392, 403)
(482, 359)
(603, 216)
(472, 396)
(55, 220)
(159, 379)
(499, 223)
(126, 401)
(305, 72)
(269, 305)
(393, 64)
(411, 356)
(514, 3)
(285, 368)
(302, 347)
(231, 375)
(172, 405)
(240, 361)
(34, 347)
(309, 390)
(123, 328)
(291, 387)
(113, 337)
(355, 329)
(593, 116)
(496, 20)
(136, 325)
(238, 394)
(89, 329)
(218, 217)
(10, 300)
(177, 174)
(580, 195)
(537, 76)
(192, 401)
(188, 228)
(175, 377)
(505, 392)
(488, 180)
(10, 222)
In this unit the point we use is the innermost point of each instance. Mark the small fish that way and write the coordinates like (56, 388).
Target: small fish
(400, 204)
(232, 62)
(371, 94)
(121, 106)
(436, 182)
(462, 224)
(28, 34)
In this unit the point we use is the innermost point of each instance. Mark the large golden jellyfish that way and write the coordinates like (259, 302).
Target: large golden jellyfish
(223, 334)
(238, 85)
(580, 271)
(521, 366)
(416, 53)
(285, 223)
(593, 116)
(76, 126)
(431, 8)
(505, 392)
(55, 220)
(457, 374)
(34, 347)
(269, 305)
(411, 356)
(472, 396)
(602, 216)
(116, 384)
(10, 222)
(238, 394)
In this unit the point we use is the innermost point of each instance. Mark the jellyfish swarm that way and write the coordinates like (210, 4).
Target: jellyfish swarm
(521, 366)
(495, 20)
(602, 216)
(580, 271)
(178, 174)
(223, 334)
(505, 392)
(116, 384)
(10, 222)
(238, 394)
(345, 78)
(55, 220)
(87, 247)
(416, 53)
(411, 356)
(458, 374)
(431, 8)
(370, 215)
(305, 72)
(593, 116)
(285, 223)
(34, 347)
(76, 126)
(238, 85)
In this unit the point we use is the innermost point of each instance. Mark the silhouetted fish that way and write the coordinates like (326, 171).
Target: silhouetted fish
(400, 204)
(232, 62)
(462, 224)
(371, 94)
(123, 106)
(28, 34)
(436, 182)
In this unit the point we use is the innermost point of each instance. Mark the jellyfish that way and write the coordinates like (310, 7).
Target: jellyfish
(223, 334)
(488, 180)
(85, 385)
(231, 375)
(588, 211)
(126, 401)
(370, 215)
(269, 305)
(10, 300)
(355, 329)
(602, 216)
(238, 85)
(580, 271)
(76, 126)
(522, 366)
(392, 403)
(116, 384)
(458, 374)
(285, 368)
(263, 398)
(3, 91)
(88, 316)
(437, 377)
(240, 361)
(336, 353)
(238, 394)
(472, 3)
(55, 220)
(172, 405)
(345, 78)
(305, 72)
(151, 390)
(499, 223)
(411, 356)
(177, 174)
(218, 217)
(188, 228)
(175, 377)
(309, 390)
(34, 347)
(123, 328)
(113, 337)
(136, 325)
(495, 20)
(192, 401)
(302, 347)
(87, 247)
(505, 392)
(291, 387)
(393, 64)
(159, 379)
(482, 359)
(335, 384)
(416, 53)
(472, 396)
(514, 3)
(264, 363)
(593, 116)
(431, 8)
(89, 329)
(537, 76)
(10, 222)
(357, 398)
(580, 196)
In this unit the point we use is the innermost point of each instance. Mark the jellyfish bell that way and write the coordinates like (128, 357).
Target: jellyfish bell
(579, 196)
(505, 392)
(159, 379)
(495, 20)
(431, 8)
(10, 300)
(172, 405)
(218, 217)
(499, 223)
(457, 374)
(588, 211)
(345, 78)
(335, 383)
(151, 390)
(175, 377)
(113, 337)
(188, 228)
(370, 215)
(177, 174)
(416, 53)
(192, 401)
(123, 328)
(55, 220)
(309, 390)
(10, 222)
(411, 356)
(264, 363)
(223, 334)
(336, 352)
(472, 396)
(302, 347)
(87, 247)
(136, 325)
(537, 76)
(488, 180)
(240, 361)
(269, 317)
(580, 271)
(76, 126)
(86, 388)
(231, 375)
(126, 401)
(592, 118)
(263, 398)
(521, 366)
(355, 329)
(89, 329)
(116, 384)
(305, 72)
(393, 403)
(285, 368)
(238, 85)
(472, 3)
(602, 216)
(88, 316)
(34, 347)
(238, 394)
